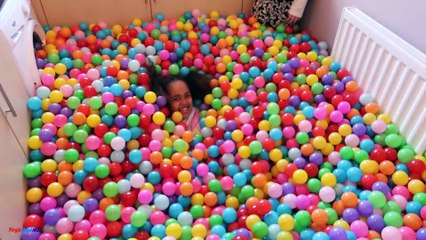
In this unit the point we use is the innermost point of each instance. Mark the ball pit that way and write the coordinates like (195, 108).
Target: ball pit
(290, 147)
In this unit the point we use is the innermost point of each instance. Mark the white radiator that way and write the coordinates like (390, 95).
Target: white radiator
(389, 68)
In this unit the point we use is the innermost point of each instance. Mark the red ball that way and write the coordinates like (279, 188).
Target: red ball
(143, 79)
(34, 221)
(311, 169)
(127, 167)
(104, 150)
(89, 91)
(47, 178)
(112, 71)
(100, 130)
(91, 183)
(129, 199)
(258, 112)
(114, 229)
(114, 169)
(80, 235)
(264, 206)
(84, 108)
(291, 168)
(416, 166)
(124, 110)
(368, 180)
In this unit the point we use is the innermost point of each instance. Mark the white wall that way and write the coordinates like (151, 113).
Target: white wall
(405, 18)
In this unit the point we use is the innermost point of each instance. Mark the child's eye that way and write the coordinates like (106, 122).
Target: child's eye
(175, 99)
(188, 95)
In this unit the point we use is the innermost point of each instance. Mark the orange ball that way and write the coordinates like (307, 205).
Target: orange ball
(79, 118)
(307, 149)
(319, 217)
(387, 167)
(198, 154)
(156, 157)
(259, 180)
(64, 166)
(65, 178)
(210, 199)
(351, 86)
(349, 199)
(372, 108)
(104, 203)
(176, 157)
(412, 221)
(186, 162)
(339, 207)
(186, 189)
(188, 136)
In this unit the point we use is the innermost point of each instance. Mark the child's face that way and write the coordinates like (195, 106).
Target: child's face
(179, 97)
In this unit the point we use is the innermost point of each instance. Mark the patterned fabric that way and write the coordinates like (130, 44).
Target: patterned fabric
(271, 12)
(193, 121)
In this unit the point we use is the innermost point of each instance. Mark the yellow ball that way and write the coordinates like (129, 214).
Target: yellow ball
(369, 118)
(286, 222)
(328, 179)
(300, 176)
(177, 117)
(59, 82)
(298, 118)
(334, 138)
(400, 178)
(275, 155)
(56, 96)
(78, 165)
(311, 79)
(93, 120)
(244, 151)
(232, 202)
(344, 130)
(159, 118)
(232, 93)
(124, 83)
(327, 61)
(284, 236)
(342, 224)
(48, 165)
(385, 117)
(226, 59)
(65, 236)
(184, 176)
(369, 167)
(150, 97)
(210, 121)
(319, 142)
(241, 48)
(236, 83)
(34, 142)
(199, 230)
(116, 29)
(416, 186)
(214, 14)
(229, 40)
(47, 117)
(60, 68)
(264, 125)
(137, 22)
(83, 196)
(188, 26)
(34, 195)
(197, 199)
(251, 221)
(312, 56)
(273, 50)
(55, 189)
(174, 230)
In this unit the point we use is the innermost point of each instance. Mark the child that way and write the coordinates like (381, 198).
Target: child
(274, 12)
(180, 93)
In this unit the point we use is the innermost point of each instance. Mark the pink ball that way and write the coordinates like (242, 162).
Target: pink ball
(269, 41)
(198, 63)
(302, 202)
(401, 190)
(84, 225)
(168, 188)
(327, 194)
(275, 190)
(305, 126)
(423, 212)
(72, 190)
(118, 143)
(157, 134)
(304, 63)
(258, 43)
(140, 58)
(262, 135)
(98, 230)
(48, 148)
(290, 199)
(238, 68)
(60, 120)
(213, 237)
(202, 169)
(155, 145)
(126, 214)
(227, 183)
(352, 140)
(137, 180)
(69, 204)
(93, 142)
(157, 217)
(97, 217)
(64, 225)
(148, 109)
(407, 233)
(47, 236)
(93, 74)
(47, 203)
(289, 132)
(378, 126)
(250, 95)
(336, 116)
(344, 107)
(66, 90)
(196, 13)
(74, 73)
(244, 117)
(360, 228)
(247, 129)
(47, 79)
(259, 82)
(87, 57)
(164, 55)
(391, 233)
(196, 184)
(107, 97)
(320, 113)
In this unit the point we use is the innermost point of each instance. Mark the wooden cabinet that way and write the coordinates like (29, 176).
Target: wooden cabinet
(247, 6)
(176, 8)
(12, 183)
(65, 12)
(61, 12)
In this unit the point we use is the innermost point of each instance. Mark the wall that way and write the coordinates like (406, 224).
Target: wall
(405, 19)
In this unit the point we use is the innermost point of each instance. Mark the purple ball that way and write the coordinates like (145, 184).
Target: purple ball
(382, 187)
(67, 112)
(34, 182)
(205, 29)
(327, 79)
(294, 62)
(173, 57)
(376, 222)
(300, 162)
(127, 94)
(365, 208)
(258, 52)
(90, 204)
(285, 68)
(161, 101)
(98, 194)
(40, 63)
(288, 188)
(251, 87)
(120, 121)
(316, 158)
(34, 208)
(243, 232)
(61, 200)
(30, 235)
(46, 135)
(289, 77)
(339, 87)
(346, 79)
(54, 108)
(319, 98)
(231, 125)
(338, 233)
(421, 233)
(124, 62)
(193, 21)
(350, 215)
(294, 101)
(52, 216)
(359, 129)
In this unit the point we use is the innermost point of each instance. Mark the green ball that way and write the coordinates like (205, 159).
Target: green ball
(392, 128)
(247, 191)
(324, 205)
(260, 229)
(245, 41)
(271, 87)
(332, 215)
(196, 211)
(255, 147)
(280, 28)
(112, 212)
(377, 199)
(314, 185)
(111, 108)
(393, 219)
(301, 79)
(110, 189)
(71, 155)
(275, 120)
(169, 126)
(393, 140)
(273, 108)
(73, 102)
(155, 33)
(78, 63)
(53, 58)
(405, 155)
(95, 102)
(174, 69)
(108, 137)
(266, 56)
(35, 132)
(317, 88)
(217, 92)
(102, 171)
(281, 58)
(244, 57)
(420, 197)
(138, 219)
(93, 238)
(37, 123)
(347, 152)
(79, 94)
(215, 186)
(302, 218)
(180, 145)
(215, 219)
(32, 170)
(133, 120)
(167, 152)
(217, 104)
(302, 137)
(186, 233)
(361, 155)
(97, 59)
(391, 206)
(80, 136)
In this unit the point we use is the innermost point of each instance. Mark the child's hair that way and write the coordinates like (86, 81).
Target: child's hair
(197, 82)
